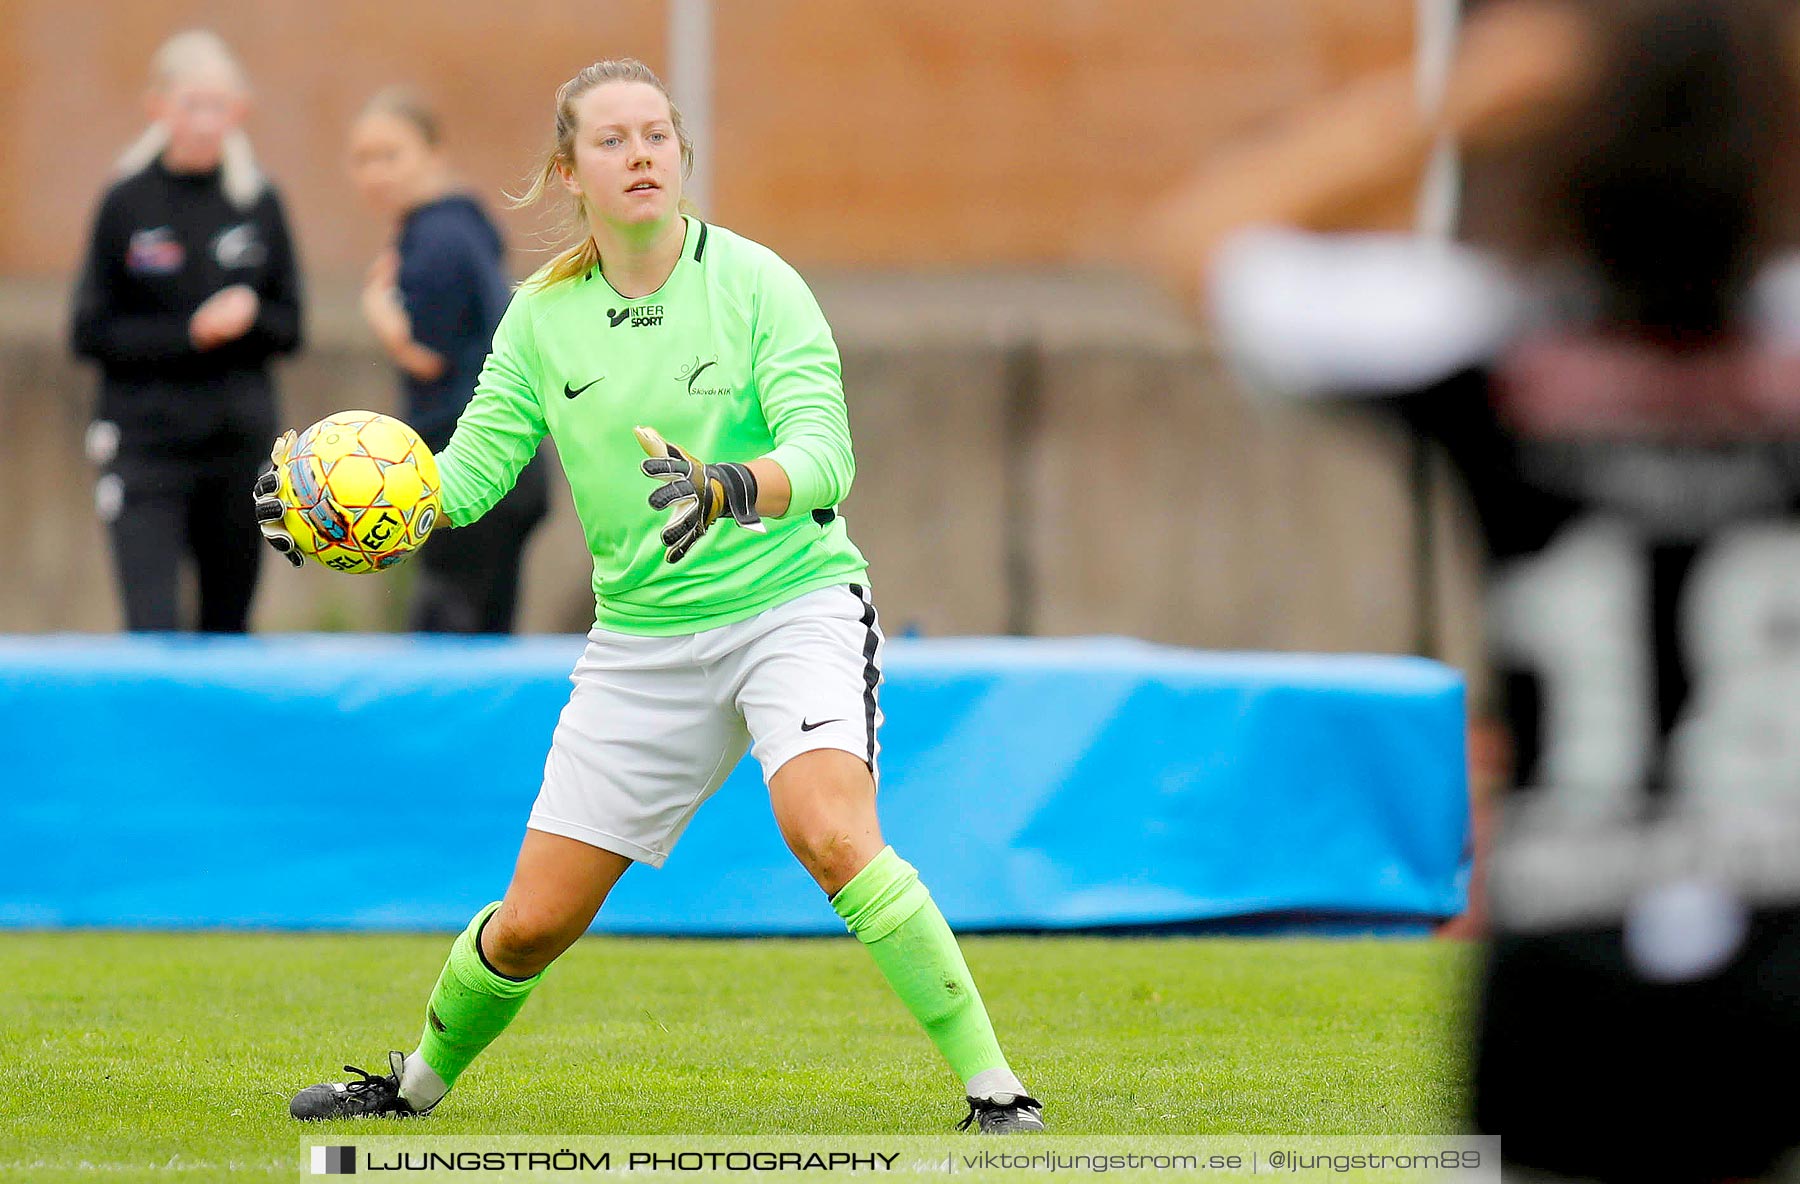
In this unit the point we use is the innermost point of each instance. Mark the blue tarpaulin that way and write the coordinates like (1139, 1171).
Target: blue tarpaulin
(350, 781)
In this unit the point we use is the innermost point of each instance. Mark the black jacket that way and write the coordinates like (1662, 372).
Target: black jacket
(162, 244)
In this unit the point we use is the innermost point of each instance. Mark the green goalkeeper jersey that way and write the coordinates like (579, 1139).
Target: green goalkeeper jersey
(730, 359)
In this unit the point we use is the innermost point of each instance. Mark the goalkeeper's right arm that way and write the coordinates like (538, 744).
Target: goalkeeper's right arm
(496, 437)
(501, 428)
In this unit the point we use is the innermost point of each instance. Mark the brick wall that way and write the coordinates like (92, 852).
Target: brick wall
(905, 132)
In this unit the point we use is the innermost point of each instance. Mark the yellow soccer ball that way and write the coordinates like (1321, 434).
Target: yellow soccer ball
(361, 491)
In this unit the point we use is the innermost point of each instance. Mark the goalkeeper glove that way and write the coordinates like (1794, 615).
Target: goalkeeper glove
(269, 506)
(699, 492)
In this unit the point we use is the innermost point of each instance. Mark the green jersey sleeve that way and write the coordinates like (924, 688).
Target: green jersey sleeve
(499, 431)
(800, 381)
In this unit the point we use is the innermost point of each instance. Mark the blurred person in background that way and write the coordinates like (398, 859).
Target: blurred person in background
(189, 289)
(1610, 359)
(433, 299)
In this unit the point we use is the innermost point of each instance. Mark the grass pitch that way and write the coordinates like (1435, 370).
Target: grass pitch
(171, 1056)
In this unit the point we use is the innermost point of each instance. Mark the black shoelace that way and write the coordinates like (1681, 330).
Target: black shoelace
(978, 1106)
(369, 1080)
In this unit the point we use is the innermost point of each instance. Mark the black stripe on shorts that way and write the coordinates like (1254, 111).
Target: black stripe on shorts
(871, 672)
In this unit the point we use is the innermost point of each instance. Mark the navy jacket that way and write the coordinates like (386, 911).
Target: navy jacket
(453, 282)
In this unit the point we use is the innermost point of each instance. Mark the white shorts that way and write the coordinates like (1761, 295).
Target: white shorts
(656, 724)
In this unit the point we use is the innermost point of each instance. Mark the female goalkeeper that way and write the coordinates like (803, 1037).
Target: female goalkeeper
(738, 618)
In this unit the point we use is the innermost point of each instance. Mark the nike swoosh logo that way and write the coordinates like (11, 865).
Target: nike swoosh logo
(806, 727)
(570, 392)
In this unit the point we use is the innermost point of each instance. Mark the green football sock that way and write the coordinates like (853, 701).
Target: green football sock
(470, 1005)
(892, 913)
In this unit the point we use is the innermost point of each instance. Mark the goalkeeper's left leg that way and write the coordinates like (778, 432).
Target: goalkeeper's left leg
(824, 802)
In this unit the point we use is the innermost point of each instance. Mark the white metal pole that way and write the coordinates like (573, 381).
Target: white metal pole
(691, 81)
(1440, 196)
(1440, 193)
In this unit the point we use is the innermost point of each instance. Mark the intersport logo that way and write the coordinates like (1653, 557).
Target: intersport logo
(637, 318)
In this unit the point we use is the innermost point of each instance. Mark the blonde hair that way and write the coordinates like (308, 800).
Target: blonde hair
(405, 103)
(181, 57)
(584, 256)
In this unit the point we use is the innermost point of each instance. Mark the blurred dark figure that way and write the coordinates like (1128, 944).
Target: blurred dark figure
(434, 300)
(1610, 360)
(189, 289)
